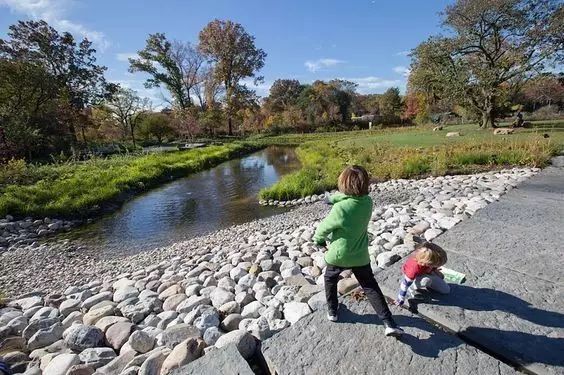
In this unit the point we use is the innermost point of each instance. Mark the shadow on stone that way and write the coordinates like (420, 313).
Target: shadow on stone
(546, 350)
(429, 345)
(485, 299)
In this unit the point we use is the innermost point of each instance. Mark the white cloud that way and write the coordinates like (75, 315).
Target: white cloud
(403, 53)
(262, 88)
(374, 85)
(54, 12)
(314, 66)
(124, 56)
(402, 70)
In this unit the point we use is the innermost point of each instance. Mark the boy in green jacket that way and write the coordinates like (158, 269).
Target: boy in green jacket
(347, 225)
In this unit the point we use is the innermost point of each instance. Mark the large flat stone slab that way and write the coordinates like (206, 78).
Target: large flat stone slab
(523, 231)
(357, 345)
(225, 360)
(518, 317)
(512, 301)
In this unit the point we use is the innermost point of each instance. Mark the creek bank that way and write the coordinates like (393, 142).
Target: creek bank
(235, 286)
(27, 232)
(171, 210)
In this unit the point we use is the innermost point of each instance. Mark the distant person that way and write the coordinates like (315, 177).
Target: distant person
(518, 120)
(347, 226)
(420, 271)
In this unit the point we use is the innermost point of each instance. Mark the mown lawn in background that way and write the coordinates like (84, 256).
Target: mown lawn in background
(75, 189)
(410, 153)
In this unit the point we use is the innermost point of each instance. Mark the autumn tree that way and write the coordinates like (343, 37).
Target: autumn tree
(234, 56)
(71, 63)
(390, 102)
(175, 65)
(284, 93)
(128, 109)
(492, 48)
(186, 122)
(326, 103)
(157, 125)
(545, 89)
(208, 90)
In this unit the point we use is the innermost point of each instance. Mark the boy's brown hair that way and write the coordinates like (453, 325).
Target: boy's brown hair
(430, 254)
(354, 180)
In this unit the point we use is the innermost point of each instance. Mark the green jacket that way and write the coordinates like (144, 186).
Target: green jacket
(347, 224)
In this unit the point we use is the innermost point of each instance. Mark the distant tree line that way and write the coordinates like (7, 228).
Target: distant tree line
(54, 96)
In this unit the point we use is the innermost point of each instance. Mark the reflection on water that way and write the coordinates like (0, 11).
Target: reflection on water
(203, 202)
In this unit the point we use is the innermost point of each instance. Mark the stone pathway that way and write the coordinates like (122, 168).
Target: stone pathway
(357, 345)
(512, 301)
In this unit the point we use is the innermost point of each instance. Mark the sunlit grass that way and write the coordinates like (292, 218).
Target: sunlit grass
(72, 189)
(410, 153)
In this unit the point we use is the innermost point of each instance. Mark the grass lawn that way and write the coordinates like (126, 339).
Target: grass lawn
(411, 152)
(79, 189)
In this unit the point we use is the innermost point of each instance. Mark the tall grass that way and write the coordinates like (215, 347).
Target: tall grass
(323, 161)
(76, 189)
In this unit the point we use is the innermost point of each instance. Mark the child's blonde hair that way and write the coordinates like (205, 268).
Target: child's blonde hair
(430, 254)
(354, 180)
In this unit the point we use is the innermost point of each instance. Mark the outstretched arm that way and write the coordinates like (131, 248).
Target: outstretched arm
(328, 225)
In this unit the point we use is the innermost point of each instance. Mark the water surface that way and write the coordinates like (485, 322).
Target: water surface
(191, 206)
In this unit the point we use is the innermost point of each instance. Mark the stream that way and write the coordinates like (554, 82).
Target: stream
(200, 203)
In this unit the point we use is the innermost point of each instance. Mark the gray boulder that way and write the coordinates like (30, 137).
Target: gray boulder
(79, 337)
(97, 357)
(244, 341)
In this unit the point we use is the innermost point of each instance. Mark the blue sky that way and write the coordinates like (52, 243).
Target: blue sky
(365, 41)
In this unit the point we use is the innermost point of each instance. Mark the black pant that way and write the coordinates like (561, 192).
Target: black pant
(366, 280)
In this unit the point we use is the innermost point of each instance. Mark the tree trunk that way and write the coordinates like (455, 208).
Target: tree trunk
(230, 124)
(488, 113)
(132, 135)
(229, 95)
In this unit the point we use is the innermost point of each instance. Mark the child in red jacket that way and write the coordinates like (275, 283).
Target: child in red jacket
(421, 271)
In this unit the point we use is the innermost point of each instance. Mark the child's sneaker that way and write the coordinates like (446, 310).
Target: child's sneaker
(332, 317)
(414, 293)
(392, 329)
